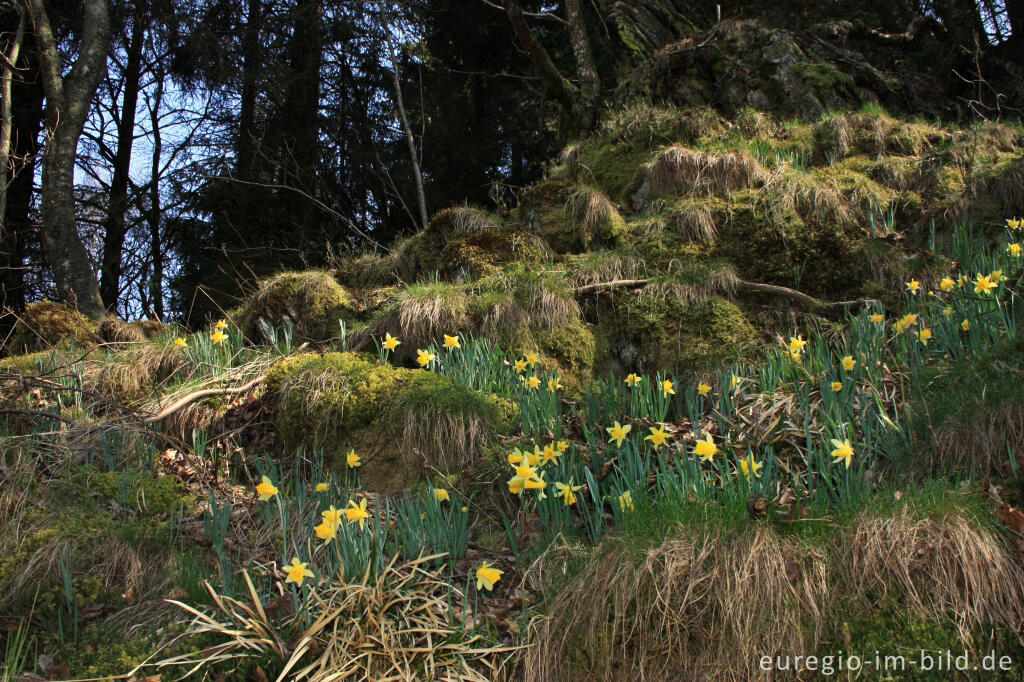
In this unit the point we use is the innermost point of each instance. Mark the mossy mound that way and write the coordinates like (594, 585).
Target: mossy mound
(571, 218)
(461, 255)
(395, 418)
(46, 324)
(647, 333)
(312, 300)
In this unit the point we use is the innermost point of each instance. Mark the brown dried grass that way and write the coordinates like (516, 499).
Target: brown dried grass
(678, 170)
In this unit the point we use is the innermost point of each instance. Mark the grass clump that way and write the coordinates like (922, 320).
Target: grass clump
(680, 171)
(571, 218)
(46, 324)
(312, 300)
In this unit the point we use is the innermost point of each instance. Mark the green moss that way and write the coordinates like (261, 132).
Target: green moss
(824, 79)
(31, 363)
(313, 300)
(46, 324)
(139, 491)
(646, 333)
(574, 348)
(571, 218)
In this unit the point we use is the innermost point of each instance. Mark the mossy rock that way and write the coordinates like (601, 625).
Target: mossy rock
(456, 220)
(46, 324)
(393, 417)
(313, 301)
(571, 218)
(647, 334)
(467, 254)
(573, 348)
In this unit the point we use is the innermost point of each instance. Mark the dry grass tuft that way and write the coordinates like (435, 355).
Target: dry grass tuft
(678, 170)
(421, 314)
(694, 607)
(131, 374)
(875, 134)
(592, 210)
(809, 197)
(396, 626)
(457, 438)
(692, 220)
(604, 266)
(978, 447)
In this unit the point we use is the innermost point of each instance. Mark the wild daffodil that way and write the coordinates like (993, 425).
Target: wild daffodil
(554, 385)
(924, 336)
(703, 389)
(266, 489)
(326, 532)
(390, 342)
(735, 382)
(520, 365)
(618, 433)
(948, 312)
(533, 383)
(837, 386)
(222, 325)
(1013, 223)
(947, 283)
(877, 318)
(451, 342)
(424, 357)
(332, 516)
(626, 501)
(632, 380)
(997, 276)
(843, 451)
(750, 467)
(516, 457)
(517, 483)
(797, 344)
(487, 576)
(562, 446)
(1013, 249)
(297, 572)
(913, 286)
(567, 491)
(984, 285)
(706, 449)
(966, 325)
(352, 460)
(441, 495)
(219, 337)
(321, 487)
(354, 513)
(667, 388)
(658, 436)
(180, 342)
(849, 363)
(532, 359)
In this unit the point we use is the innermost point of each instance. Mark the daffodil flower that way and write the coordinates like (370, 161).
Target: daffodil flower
(520, 365)
(390, 342)
(554, 385)
(913, 286)
(924, 335)
(703, 389)
(658, 436)
(487, 576)
(749, 466)
(221, 324)
(797, 344)
(297, 572)
(180, 342)
(516, 457)
(424, 357)
(837, 386)
(849, 363)
(1014, 249)
(533, 383)
(966, 325)
(354, 513)
(667, 388)
(632, 380)
(326, 532)
(947, 283)
(219, 337)
(352, 460)
(441, 495)
(321, 487)
(266, 489)
(618, 433)
(332, 516)
(532, 359)
(706, 449)
(877, 318)
(451, 342)
(984, 285)
(626, 501)
(567, 491)
(843, 451)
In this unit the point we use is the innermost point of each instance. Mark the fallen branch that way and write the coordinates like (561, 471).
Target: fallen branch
(756, 287)
(196, 395)
(37, 413)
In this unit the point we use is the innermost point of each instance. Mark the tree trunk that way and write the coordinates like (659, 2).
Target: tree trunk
(590, 88)
(154, 216)
(6, 114)
(421, 197)
(113, 243)
(67, 105)
(245, 143)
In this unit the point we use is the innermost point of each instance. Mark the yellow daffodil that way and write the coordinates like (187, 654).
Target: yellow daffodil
(703, 389)
(441, 495)
(219, 337)
(748, 465)
(352, 460)
(297, 572)
(390, 342)
(924, 335)
(520, 365)
(906, 322)
(424, 357)
(797, 344)
(180, 342)
(1013, 223)
(913, 286)
(843, 451)
(487, 576)
(516, 457)
(849, 363)
(1013, 249)
(837, 386)
(947, 284)
(221, 324)
(464, 510)
(562, 446)
(549, 454)
(536, 457)
(795, 356)
(266, 489)
(948, 312)
(332, 516)
(567, 492)
(706, 449)
(966, 325)
(877, 318)
(984, 285)
(997, 276)
(658, 436)
(618, 433)
(632, 380)
(667, 388)
(734, 382)
(326, 532)
(532, 383)
(626, 501)
(321, 487)
(532, 359)
(358, 513)
(554, 385)
(451, 342)
(517, 483)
